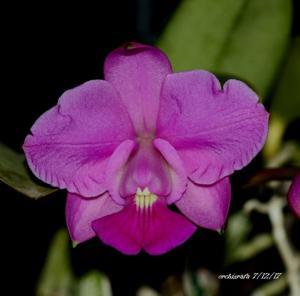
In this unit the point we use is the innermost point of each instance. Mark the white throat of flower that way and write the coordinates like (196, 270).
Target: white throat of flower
(144, 199)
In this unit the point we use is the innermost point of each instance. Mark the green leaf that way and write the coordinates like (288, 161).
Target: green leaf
(13, 172)
(286, 102)
(146, 291)
(244, 38)
(57, 276)
(258, 42)
(252, 248)
(295, 158)
(237, 231)
(237, 246)
(198, 31)
(94, 283)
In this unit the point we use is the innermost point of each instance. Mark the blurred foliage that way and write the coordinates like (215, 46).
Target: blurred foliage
(285, 105)
(246, 38)
(146, 291)
(58, 279)
(200, 282)
(237, 230)
(94, 283)
(14, 172)
(238, 247)
(271, 288)
(57, 276)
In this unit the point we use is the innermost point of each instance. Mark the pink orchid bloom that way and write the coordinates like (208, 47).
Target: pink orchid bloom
(129, 146)
(294, 196)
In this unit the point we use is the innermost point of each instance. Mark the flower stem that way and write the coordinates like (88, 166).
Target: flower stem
(274, 209)
(282, 242)
(271, 174)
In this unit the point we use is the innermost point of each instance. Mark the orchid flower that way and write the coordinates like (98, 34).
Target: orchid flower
(294, 196)
(128, 147)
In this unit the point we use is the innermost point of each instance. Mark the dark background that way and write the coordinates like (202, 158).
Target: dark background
(46, 49)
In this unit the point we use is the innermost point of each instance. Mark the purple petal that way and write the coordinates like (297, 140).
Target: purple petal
(119, 231)
(294, 196)
(80, 213)
(176, 169)
(166, 230)
(71, 143)
(214, 131)
(156, 230)
(207, 206)
(137, 72)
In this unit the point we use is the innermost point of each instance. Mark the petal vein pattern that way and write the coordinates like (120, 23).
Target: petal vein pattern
(137, 72)
(145, 223)
(71, 143)
(214, 131)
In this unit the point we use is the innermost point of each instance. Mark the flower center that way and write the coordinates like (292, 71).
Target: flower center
(144, 199)
(146, 174)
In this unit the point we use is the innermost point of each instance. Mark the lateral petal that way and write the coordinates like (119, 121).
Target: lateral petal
(72, 142)
(214, 131)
